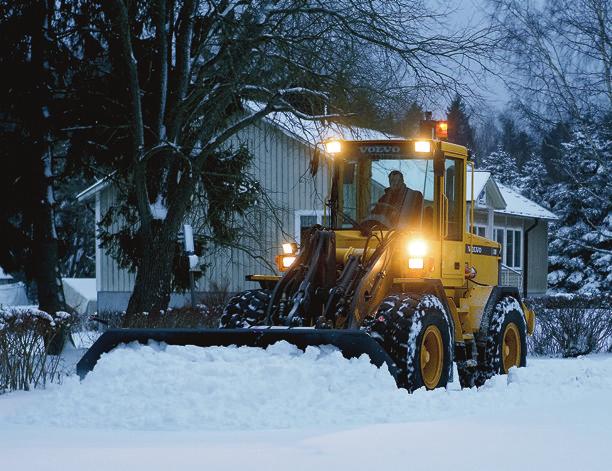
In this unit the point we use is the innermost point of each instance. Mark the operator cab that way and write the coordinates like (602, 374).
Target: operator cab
(385, 186)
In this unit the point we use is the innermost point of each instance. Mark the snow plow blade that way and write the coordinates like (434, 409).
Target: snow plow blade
(352, 343)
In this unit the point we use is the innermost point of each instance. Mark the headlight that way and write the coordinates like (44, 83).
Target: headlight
(288, 257)
(288, 261)
(333, 147)
(417, 250)
(422, 146)
(289, 248)
(284, 262)
(416, 263)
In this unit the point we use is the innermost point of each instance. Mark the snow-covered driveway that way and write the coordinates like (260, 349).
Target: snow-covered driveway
(158, 407)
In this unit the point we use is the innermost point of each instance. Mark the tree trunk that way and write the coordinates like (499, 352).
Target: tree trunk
(153, 284)
(154, 277)
(45, 250)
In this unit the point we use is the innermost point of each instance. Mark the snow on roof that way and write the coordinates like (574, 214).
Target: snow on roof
(481, 178)
(518, 205)
(4, 276)
(307, 131)
(313, 132)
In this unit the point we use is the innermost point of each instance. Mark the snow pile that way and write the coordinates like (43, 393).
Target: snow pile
(173, 387)
(159, 387)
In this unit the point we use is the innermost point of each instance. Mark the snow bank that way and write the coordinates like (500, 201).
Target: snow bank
(159, 387)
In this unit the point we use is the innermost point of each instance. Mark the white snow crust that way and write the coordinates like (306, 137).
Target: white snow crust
(155, 407)
(165, 387)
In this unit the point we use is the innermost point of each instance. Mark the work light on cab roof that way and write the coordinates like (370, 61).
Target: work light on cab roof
(333, 146)
(422, 146)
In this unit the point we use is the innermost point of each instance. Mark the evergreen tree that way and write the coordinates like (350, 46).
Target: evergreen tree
(515, 141)
(581, 241)
(502, 166)
(34, 64)
(409, 122)
(533, 180)
(459, 129)
(552, 150)
(486, 138)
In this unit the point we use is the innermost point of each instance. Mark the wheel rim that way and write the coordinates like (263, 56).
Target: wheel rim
(432, 357)
(511, 347)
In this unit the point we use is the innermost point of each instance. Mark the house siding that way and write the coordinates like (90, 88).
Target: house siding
(112, 277)
(281, 165)
(537, 282)
(537, 276)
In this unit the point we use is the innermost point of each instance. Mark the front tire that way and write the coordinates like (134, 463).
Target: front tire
(506, 341)
(415, 331)
(246, 309)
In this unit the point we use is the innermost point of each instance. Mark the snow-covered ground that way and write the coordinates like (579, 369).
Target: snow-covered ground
(166, 407)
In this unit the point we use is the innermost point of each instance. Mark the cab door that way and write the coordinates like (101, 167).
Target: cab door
(453, 218)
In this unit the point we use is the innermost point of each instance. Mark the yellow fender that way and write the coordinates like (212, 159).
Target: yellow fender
(529, 318)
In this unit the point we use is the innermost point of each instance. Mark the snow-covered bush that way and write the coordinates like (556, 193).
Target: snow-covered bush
(570, 326)
(185, 317)
(26, 334)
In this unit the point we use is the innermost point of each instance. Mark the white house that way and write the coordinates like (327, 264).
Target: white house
(516, 222)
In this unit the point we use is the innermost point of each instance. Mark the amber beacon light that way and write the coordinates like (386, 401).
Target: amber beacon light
(442, 129)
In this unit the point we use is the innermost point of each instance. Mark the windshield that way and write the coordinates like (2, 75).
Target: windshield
(387, 192)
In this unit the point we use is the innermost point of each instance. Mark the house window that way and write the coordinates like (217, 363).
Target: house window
(304, 220)
(499, 236)
(480, 230)
(511, 242)
(513, 257)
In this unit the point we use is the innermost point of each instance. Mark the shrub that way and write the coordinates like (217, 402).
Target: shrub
(26, 337)
(204, 315)
(570, 326)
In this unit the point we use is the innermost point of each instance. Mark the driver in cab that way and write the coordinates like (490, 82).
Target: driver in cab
(390, 203)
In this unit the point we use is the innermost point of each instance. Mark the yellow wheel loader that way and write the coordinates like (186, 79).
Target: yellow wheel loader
(396, 273)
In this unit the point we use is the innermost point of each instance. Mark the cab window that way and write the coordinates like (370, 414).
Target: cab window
(453, 188)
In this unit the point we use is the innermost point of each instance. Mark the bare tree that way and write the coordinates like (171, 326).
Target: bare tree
(560, 53)
(189, 65)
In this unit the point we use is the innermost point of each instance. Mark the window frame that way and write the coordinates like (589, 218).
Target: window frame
(318, 213)
(505, 230)
(458, 198)
(480, 226)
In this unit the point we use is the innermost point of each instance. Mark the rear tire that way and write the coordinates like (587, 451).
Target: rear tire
(246, 309)
(506, 341)
(415, 332)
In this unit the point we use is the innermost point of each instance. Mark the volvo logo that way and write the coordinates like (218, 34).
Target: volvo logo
(379, 149)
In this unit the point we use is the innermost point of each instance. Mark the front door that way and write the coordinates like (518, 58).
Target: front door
(453, 246)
